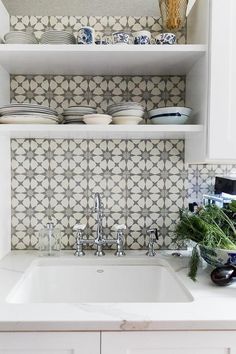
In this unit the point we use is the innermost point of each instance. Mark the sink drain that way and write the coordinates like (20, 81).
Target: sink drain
(100, 271)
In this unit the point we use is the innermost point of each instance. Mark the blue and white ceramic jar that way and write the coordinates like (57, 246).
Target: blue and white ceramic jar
(86, 35)
(166, 38)
(142, 37)
(121, 37)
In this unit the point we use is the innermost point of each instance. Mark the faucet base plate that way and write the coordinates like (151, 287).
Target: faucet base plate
(99, 253)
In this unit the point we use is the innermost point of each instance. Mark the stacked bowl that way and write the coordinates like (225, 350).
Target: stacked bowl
(170, 115)
(20, 37)
(126, 113)
(24, 113)
(75, 114)
(57, 37)
(103, 119)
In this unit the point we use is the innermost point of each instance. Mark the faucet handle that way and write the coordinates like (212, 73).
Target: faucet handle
(121, 227)
(120, 240)
(153, 234)
(79, 227)
(153, 237)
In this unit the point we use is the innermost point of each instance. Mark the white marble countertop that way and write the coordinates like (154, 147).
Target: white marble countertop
(213, 308)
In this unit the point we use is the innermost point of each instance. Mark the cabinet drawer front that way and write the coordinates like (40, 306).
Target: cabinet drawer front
(169, 343)
(49, 343)
(189, 350)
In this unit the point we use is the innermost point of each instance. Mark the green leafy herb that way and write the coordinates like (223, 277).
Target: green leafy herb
(194, 264)
(211, 226)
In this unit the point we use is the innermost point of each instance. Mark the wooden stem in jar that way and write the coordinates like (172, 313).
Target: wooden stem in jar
(173, 21)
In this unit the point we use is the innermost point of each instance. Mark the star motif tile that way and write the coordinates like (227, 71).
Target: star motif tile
(143, 183)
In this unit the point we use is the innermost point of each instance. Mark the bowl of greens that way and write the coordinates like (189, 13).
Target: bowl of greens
(213, 231)
(217, 257)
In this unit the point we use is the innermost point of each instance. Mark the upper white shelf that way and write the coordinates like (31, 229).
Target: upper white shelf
(99, 131)
(99, 60)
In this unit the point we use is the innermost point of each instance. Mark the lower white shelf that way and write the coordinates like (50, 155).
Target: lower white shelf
(99, 131)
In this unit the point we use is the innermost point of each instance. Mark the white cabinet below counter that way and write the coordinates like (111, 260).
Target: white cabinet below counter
(50, 343)
(170, 342)
(159, 342)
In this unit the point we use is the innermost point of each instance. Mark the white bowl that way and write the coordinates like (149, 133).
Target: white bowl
(170, 120)
(129, 112)
(170, 115)
(165, 110)
(97, 119)
(128, 120)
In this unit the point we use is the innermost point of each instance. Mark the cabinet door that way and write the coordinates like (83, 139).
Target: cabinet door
(222, 81)
(172, 342)
(49, 343)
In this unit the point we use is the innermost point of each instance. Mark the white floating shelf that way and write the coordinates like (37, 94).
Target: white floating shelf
(99, 60)
(99, 131)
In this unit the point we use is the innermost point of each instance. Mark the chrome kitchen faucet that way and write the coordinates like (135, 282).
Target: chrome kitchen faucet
(100, 241)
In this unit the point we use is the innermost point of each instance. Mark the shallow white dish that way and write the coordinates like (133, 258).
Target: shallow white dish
(128, 120)
(80, 122)
(25, 108)
(118, 107)
(21, 119)
(20, 37)
(57, 37)
(74, 117)
(97, 119)
(129, 112)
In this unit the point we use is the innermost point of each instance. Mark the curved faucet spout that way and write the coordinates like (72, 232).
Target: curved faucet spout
(99, 240)
(97, 202)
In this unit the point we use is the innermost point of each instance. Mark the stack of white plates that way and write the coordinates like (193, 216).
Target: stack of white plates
(103, 119)
(57, 37)
(126, 113)
(170, 115)
(24, 113)
(20, 37)
(75, 115)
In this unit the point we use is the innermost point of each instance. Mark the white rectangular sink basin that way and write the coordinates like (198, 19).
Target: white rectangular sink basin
(81, 281)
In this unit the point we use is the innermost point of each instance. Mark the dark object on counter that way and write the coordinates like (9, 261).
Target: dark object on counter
(192, 207)
(225, 185)
(224, 275)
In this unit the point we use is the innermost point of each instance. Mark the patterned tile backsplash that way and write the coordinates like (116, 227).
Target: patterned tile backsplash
(142, 183)
(60, 92)
(103, 25)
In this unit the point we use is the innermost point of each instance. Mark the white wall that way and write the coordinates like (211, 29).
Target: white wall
(83, 7)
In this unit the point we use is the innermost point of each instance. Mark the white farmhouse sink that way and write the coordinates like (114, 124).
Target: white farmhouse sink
(62, 280)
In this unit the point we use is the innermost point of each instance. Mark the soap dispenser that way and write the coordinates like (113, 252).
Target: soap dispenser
(50, 240)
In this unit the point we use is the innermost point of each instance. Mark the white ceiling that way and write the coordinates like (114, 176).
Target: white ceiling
(83, 7)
